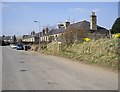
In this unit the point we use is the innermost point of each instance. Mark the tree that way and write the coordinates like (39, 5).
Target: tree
(73, 34)
(116, 26)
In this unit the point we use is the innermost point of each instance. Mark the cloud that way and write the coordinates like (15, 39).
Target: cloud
(83, 10)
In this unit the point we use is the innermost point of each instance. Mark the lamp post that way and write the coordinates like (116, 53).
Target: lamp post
(39, 32)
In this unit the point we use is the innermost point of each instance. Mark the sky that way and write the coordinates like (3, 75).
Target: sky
(18, 17)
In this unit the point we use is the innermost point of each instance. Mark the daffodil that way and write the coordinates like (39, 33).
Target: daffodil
(87, 39)
(117, 35)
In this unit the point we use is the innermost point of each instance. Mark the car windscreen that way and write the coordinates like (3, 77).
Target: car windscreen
(20, 45)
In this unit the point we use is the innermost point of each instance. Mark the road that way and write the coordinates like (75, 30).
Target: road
(27, 70)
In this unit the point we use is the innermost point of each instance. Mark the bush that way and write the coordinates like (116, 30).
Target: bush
(43, 45)
(72, 35)
(116, 26)
(35, 47)
(116, 35)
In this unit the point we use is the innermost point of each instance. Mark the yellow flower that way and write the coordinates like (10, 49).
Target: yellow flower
(87, 39)
(117, 35)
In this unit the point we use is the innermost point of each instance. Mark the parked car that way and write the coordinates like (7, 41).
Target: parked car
(13, 46)
(20, 46)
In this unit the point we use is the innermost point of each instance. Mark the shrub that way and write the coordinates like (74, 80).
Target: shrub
(116, 26)
(72, 35)
(117, 35)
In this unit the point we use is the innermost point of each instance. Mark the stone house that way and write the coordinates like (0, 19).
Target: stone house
(32, 38)
(9, 39)
(91, 27)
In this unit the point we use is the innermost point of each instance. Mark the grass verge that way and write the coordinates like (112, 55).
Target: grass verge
(102, 52)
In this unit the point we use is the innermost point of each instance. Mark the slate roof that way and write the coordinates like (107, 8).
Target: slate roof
(7, 37)
(37, 34)
(83, 25)
(30, 36)
(26, 36)
(57, 31)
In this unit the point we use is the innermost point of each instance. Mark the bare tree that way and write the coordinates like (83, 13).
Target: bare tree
(72, 35)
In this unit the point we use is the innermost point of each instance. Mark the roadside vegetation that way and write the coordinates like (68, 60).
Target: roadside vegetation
(81, 45)
(102, 52)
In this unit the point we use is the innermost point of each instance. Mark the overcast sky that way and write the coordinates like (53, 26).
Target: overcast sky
(18, 18)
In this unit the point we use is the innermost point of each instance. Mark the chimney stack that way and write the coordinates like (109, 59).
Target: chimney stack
(43, 32)
(33, 33)
(93, 21)
(67, 23)
(60, 25)
(46, 30)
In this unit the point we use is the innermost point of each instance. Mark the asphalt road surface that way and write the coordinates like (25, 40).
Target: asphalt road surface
(26, 70)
